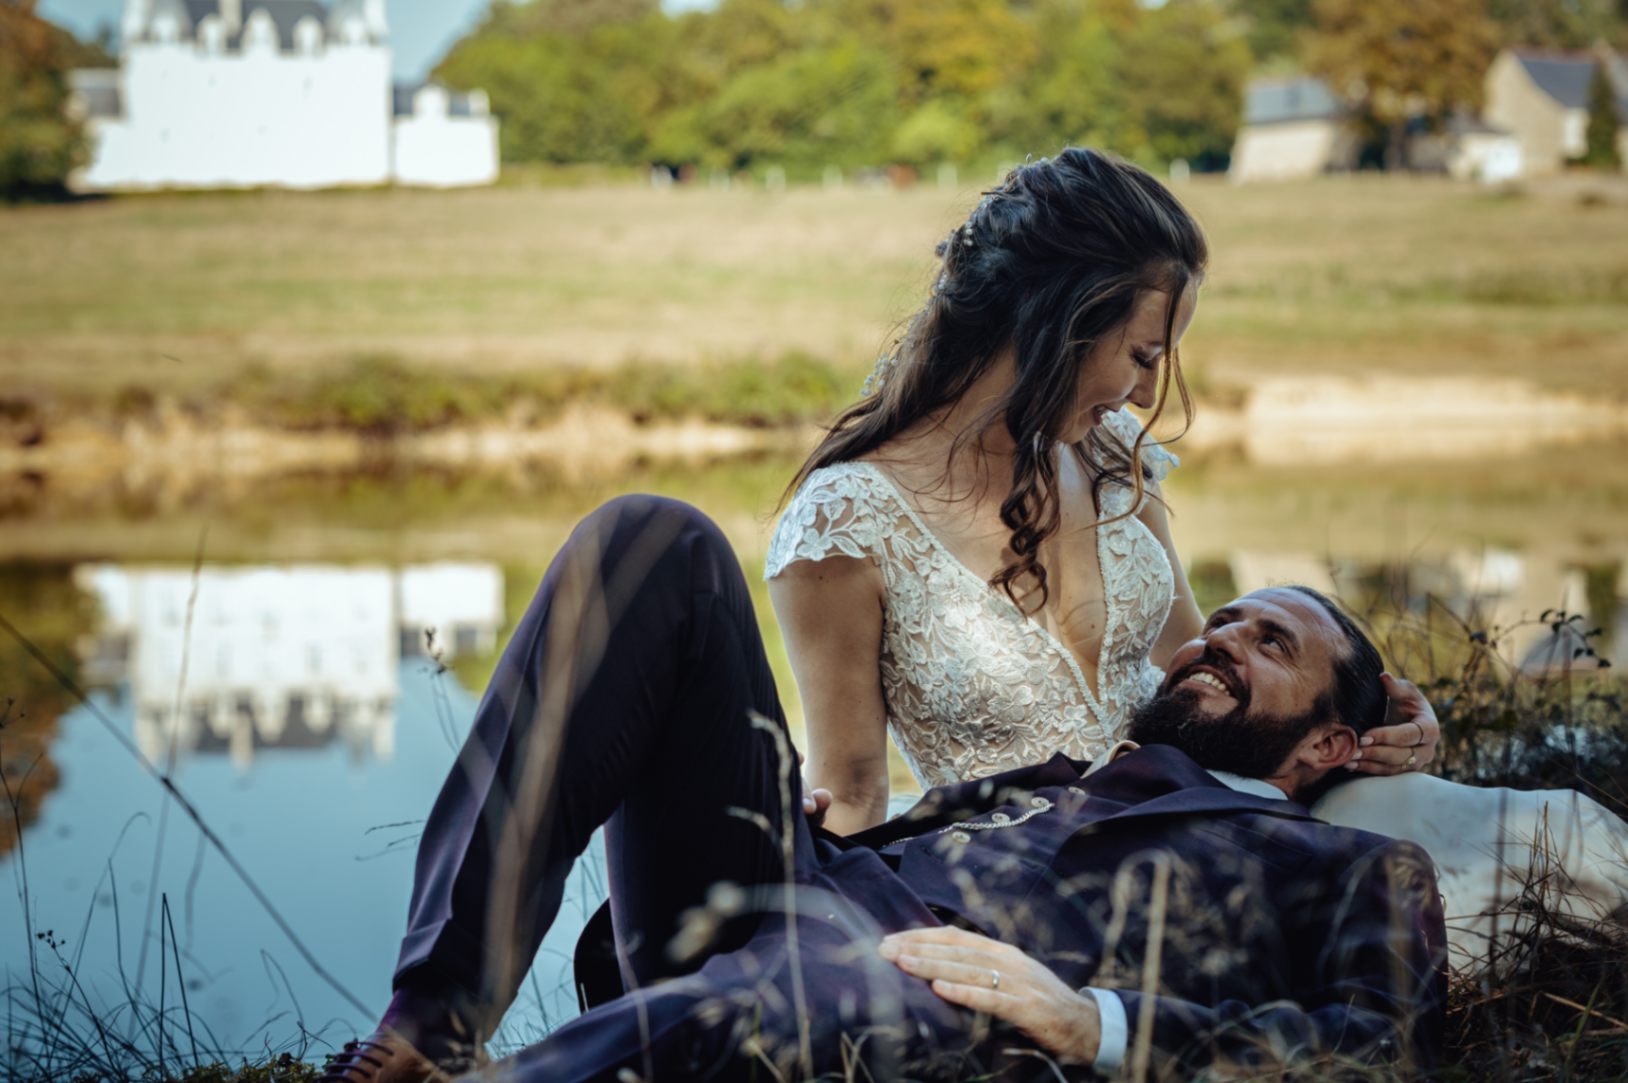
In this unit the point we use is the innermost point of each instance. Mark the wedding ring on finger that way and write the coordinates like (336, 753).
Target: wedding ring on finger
(1420, 741)
(994, 979)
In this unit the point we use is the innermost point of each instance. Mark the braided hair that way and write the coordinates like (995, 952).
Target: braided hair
(1051, 262)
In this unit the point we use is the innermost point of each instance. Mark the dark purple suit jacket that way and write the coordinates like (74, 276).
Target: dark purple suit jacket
(1235, 928)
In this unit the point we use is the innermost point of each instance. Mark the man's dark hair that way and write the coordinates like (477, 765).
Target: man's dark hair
(1358, 699)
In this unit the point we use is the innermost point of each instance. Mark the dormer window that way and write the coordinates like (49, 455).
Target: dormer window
(353, 29)
(308, 37)
(260, 33)
(166, 27)
(212, 35)
(430, 101)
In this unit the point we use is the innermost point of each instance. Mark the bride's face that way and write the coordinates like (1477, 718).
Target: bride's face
(1124, 366)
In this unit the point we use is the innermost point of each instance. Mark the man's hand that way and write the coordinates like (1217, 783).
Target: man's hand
(988, 976)
(1408, 744)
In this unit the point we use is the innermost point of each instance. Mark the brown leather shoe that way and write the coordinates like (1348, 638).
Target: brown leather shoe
(382, 1057)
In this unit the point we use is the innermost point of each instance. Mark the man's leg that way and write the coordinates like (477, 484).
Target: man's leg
(625, 694)
(822, 1005)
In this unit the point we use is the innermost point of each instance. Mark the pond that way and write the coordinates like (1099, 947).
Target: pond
(303, 655)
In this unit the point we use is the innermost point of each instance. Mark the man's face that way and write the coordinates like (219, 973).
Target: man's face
(1244, 694)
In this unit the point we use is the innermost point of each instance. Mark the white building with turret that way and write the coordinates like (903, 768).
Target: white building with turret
(275, 93)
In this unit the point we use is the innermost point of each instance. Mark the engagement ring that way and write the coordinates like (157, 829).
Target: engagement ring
(994, 979)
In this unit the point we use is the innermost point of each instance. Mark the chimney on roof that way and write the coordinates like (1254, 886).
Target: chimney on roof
(378, 27)
(133, 25)
(231, 13)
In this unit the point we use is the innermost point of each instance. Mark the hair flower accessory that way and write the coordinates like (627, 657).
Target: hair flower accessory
(879, 375)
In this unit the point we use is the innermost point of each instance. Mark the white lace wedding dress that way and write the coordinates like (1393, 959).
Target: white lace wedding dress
(973, 687)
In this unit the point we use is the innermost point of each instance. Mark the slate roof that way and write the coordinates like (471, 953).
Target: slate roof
(1566, 77)
(98, 88)
(285, 14)
(1277, 101)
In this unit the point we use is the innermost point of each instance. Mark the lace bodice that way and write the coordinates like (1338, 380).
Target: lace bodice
(973, 686)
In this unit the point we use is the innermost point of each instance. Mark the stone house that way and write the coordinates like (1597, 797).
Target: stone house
(1293, 128)
(1543, 97)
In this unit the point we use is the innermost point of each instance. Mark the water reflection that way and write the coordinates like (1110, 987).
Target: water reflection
(1495, 590)
(314, 677)
(230, 661)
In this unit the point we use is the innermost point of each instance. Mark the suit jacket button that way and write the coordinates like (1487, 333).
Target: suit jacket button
(1039, 802)
(960, 836)
(1000, 818)
(1076, 790)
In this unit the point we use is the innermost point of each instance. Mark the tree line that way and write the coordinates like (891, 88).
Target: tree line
(808, 85)
(855, 83)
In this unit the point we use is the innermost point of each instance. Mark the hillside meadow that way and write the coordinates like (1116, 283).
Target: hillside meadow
(233, 296)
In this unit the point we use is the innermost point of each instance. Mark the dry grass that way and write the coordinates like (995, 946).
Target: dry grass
(1352, 274)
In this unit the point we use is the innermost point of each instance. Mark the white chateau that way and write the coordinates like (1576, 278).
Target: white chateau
(283, 93)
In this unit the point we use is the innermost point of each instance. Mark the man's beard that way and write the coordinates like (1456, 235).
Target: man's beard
(1238, 742)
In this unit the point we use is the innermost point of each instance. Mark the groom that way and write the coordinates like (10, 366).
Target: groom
(1171, 909)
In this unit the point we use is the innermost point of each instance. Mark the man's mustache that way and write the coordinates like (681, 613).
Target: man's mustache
(1223, 669)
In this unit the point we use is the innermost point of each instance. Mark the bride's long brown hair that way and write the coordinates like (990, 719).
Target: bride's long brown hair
(1051, 262)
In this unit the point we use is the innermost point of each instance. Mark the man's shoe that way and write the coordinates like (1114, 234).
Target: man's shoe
(382, 1057)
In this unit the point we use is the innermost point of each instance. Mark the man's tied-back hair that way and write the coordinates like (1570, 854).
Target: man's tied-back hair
(1358, 697)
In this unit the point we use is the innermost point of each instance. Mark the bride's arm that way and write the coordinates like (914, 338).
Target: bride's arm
(830, 613)
(1185, 620)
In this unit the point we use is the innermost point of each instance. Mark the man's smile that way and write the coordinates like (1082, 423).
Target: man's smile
(1211, 679)
(1206, 680)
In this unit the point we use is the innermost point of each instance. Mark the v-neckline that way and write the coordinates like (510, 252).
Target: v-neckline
(1091, 698)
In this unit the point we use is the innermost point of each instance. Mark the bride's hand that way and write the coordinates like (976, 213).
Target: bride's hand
(815, 805)
(1407, 745)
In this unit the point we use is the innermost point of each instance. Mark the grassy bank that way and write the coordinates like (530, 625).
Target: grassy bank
(180, 296)
(385, 395)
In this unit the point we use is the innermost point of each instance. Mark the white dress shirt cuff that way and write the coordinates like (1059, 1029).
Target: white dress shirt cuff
(1116, 1031)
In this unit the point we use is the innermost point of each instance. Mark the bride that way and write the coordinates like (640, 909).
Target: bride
(977, 557)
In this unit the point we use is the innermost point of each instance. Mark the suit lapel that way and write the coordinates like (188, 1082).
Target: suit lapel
(948, 804)
(1187, 790)
(1180, 788)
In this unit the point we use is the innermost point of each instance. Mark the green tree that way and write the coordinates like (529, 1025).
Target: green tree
(39, 143)
(56, 615)
(1558, 24)
(947, 49)
(589, 96)
(1182, 69)
(1274, 27)
(1603, 122)
(1395, 59)
(816, 107)
(1069, 93)
(572, 18)
(937, 131)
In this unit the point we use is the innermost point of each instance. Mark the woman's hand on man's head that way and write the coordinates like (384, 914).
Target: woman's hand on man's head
(1409, 743)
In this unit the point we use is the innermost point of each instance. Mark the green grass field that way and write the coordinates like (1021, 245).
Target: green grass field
(186, 294)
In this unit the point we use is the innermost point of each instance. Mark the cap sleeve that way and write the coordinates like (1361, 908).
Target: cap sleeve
(830, 514)
(1157, 460)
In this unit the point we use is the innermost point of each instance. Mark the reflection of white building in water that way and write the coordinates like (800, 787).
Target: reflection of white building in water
(278, 657)
(292, 93)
